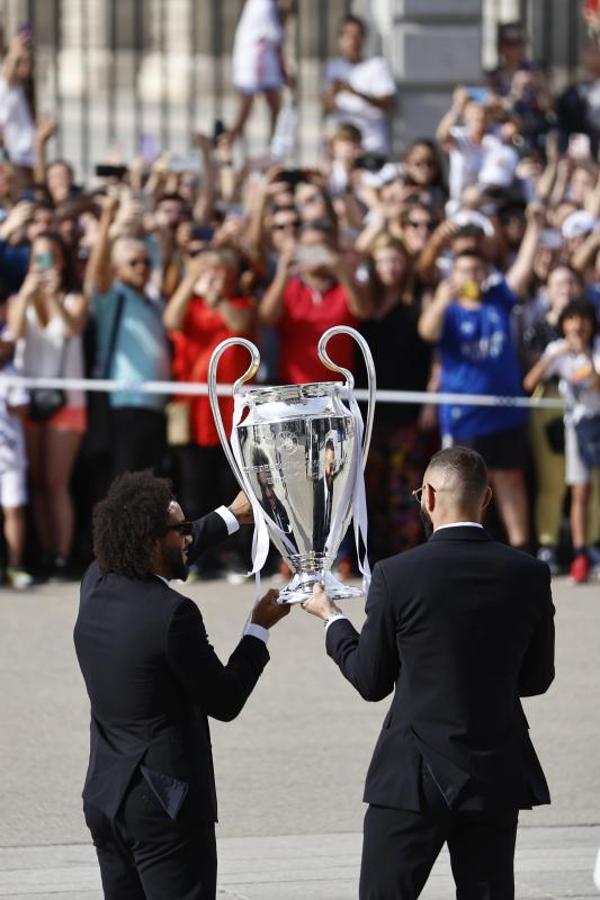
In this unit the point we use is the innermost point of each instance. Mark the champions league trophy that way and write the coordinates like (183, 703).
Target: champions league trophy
(299, 453)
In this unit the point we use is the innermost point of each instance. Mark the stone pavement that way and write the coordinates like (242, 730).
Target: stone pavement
(290, 770)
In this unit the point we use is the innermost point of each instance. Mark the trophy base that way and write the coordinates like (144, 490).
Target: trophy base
(300, 588)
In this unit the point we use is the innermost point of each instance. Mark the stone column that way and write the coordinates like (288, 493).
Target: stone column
(432, 45)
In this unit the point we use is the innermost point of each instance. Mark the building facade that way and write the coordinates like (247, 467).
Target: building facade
(117, 73)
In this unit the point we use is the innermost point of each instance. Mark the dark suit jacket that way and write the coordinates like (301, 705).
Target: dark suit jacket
(322, 512)
(460, 627)
(153, 679)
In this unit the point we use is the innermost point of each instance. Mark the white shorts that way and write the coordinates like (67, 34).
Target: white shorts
(576, 470)
(257, 69)
(13, 488)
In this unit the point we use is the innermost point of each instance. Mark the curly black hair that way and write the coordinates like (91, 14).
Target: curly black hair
(131, 517)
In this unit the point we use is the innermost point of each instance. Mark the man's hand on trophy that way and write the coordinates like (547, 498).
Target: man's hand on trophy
(268, 611)
(242, 509)
(320, 605)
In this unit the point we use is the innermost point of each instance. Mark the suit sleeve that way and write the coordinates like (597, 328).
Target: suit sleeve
(368, 660)
(537, 668)
(208, 531)
(219, 690)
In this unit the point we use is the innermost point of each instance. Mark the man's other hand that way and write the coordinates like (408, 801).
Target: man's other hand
(242, 509)
(268, 611)
(319, 604)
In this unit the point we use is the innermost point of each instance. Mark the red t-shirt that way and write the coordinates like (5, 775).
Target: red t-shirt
(306, 315)
(203, 328)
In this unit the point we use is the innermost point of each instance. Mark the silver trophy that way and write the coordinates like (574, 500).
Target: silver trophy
(299, 451)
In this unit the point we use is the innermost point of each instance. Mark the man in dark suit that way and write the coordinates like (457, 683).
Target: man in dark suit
(323, 499)
(153, 680)
(459, 628)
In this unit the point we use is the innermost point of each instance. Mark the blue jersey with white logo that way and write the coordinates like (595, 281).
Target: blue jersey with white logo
(479, 357)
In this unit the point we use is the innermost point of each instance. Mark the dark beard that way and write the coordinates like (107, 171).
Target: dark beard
(177, 565)
(427, 523)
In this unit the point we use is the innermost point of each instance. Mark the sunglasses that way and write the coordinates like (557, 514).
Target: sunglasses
(139, 261)
(419, 491)
(282, 227)
(184, 529)
(414, 224)
(424, 163)
(195, 252)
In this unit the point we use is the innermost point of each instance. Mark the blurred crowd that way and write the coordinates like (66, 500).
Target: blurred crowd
(470, 263)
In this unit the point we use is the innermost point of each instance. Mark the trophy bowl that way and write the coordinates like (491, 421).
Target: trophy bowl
(298, 451)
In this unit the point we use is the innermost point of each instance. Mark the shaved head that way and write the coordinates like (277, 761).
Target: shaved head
(462, 473)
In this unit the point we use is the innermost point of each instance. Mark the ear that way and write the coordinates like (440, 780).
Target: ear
(429, 498)
(487, 498)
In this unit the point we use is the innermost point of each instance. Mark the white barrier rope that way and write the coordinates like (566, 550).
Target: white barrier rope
(179, 388)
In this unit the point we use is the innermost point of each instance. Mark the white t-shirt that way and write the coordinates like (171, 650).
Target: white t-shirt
(44, 353)
(467, 159)
(12, 436)
(372, 77)
(575, 373)
(16, 124)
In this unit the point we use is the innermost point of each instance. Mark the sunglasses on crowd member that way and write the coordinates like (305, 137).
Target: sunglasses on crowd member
(195, 251)
(281, 226)
(421, 223)
(139, 261)
(184, 529)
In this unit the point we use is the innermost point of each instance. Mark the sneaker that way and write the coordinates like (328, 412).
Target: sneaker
(62, 572)
(17, 579)
(548, 555)
(594, 557)
(284, 574)
(344, 570)
(580, 569)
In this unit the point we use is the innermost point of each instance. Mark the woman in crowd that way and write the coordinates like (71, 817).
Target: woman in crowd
(575, 359)
(402, 437)
(212, 303)
(47, 318)
(545, 425)
(423, 173)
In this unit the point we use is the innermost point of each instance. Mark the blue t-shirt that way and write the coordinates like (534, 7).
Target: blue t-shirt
(141, 350)
(479, 357)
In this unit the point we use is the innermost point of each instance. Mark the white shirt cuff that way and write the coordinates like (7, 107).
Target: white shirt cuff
(230, 520)
(256, 631)
(334, 618)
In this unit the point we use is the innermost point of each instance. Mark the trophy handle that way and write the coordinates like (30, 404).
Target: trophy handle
(372, 381)
(212, 393)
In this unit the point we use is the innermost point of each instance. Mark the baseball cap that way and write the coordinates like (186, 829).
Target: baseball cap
(578, 224)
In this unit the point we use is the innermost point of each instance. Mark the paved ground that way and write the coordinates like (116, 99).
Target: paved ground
(290, 769)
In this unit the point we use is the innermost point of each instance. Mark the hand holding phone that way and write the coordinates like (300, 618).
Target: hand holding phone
(579, 147)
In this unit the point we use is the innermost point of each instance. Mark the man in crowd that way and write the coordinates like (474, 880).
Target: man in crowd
(360, 91)
(470, 321)
(132, 343)
(459, 628)
(153, 680)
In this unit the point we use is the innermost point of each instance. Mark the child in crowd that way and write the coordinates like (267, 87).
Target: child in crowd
(575, 359)
(13, 467)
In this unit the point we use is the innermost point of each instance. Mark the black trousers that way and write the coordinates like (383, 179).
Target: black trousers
(145, 855)
(401, 846)
(138, 439)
